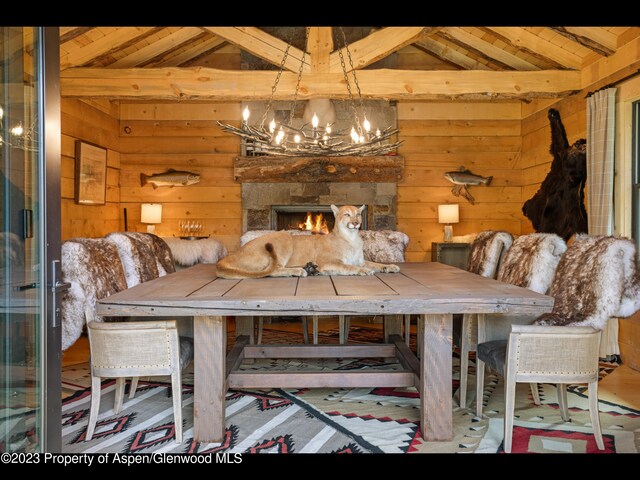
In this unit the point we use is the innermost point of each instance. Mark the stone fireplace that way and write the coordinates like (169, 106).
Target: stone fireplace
(261, 202)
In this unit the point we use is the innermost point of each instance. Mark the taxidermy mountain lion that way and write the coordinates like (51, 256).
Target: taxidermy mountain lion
(280, 254)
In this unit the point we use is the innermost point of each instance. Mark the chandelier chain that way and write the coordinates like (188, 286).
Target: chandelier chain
(295, 94)
(348, 83)
(275, 84)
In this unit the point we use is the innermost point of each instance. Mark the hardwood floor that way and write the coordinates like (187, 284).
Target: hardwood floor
(622, 386)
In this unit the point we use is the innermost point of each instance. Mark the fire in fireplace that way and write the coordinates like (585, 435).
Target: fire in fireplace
(317, 218)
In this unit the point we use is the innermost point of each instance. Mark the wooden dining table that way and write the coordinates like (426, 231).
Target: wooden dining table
(431, 290)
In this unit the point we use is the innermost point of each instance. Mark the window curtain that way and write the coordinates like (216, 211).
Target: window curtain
(601, 119)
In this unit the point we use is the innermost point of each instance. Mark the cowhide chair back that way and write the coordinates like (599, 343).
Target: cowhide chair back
(487, 251)
(531, 261)
(138, 255)
(93, 268)
(596, 279)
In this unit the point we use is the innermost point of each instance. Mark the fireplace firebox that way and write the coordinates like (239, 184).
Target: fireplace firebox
(306, 217)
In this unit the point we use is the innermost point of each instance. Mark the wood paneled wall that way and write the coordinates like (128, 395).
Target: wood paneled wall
(184, 136)
(95, 122)
(439, 137)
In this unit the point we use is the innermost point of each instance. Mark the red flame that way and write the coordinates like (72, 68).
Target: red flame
(316, 224)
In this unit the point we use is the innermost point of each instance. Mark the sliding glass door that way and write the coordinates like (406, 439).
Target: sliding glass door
(29, 239)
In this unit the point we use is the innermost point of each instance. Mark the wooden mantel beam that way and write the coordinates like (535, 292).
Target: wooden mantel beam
(232, 85)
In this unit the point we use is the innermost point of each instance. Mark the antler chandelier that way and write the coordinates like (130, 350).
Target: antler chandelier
(284, 139)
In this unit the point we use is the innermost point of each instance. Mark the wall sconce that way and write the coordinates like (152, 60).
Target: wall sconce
(448, 214)
(151, 213)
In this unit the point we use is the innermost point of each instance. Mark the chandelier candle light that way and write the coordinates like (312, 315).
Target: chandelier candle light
(284, 139)
(448, 214)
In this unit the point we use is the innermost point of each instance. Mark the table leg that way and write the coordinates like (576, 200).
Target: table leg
(436, 414)
(392, 326)
(246, 326)
(210, 344)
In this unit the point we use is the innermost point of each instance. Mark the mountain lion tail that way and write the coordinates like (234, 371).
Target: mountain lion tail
(226, 269)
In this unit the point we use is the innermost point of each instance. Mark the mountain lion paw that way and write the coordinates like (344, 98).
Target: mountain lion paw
(391, 268)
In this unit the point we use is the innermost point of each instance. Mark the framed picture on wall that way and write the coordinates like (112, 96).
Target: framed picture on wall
(91, 174)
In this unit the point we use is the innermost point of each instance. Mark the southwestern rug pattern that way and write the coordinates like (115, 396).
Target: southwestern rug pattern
(337, 420)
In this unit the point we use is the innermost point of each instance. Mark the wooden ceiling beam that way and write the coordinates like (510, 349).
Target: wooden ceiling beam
(111, 42)
(157, 48)
(377, 45)
(579, 35)
(459, 35)
(228, 85)
(518, 37)
(69, 33)
(204, 47)
(320, 46)
(262, 45)
(450, 55)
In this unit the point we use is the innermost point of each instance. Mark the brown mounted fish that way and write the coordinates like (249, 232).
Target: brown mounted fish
(462, 179)
(170, 178)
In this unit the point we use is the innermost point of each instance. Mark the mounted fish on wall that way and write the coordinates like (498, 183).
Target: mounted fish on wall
(463, 179)
(170, 178)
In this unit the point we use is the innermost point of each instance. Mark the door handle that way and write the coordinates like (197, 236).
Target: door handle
(57, 287)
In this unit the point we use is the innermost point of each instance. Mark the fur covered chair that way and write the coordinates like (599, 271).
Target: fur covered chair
(189, 252)
(597, 278)
(93, 268)
(485, 254)
(487, 251)
(531, 263)
(143, 257)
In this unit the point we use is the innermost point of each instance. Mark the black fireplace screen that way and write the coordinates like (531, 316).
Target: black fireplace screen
(305, 217)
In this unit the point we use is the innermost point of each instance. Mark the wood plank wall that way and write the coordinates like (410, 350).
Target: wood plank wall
(157, 136)
(95, 122)
(439, 137)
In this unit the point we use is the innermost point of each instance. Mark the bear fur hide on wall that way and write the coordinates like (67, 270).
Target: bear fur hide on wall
(558, 206)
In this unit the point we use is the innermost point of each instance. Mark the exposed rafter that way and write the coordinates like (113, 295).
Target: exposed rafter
(262, 45)
(521, 38)
(457, 34)
(377, 45)
(449, 54)
(153, 50)
(111, 42)
(578, 35)
(206, 46)
(206, 83)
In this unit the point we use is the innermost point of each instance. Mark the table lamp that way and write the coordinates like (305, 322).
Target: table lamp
(448, 214)
(151, 213)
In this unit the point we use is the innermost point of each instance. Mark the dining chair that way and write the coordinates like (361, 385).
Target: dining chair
(485, 254)
(135, 349)
(530, 262)
(534, 353)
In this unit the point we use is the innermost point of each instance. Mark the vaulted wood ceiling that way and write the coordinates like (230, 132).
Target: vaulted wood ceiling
(392, 62)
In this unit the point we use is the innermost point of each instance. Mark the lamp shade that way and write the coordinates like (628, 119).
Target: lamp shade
(448, 213)
(151, 213)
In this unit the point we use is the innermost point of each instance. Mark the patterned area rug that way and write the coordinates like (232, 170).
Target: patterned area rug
(332, 420)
